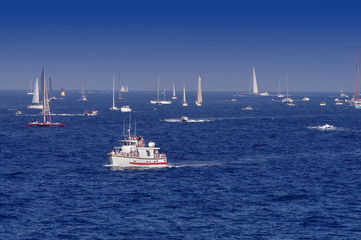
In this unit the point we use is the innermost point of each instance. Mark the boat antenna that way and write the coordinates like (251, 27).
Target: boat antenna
(130, 121)
(123, 127)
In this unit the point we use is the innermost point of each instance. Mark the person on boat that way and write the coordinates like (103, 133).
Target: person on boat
(141, 141)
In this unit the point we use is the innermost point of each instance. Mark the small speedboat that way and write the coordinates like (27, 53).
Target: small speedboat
(247, 108)
(19, 113)
(291, 104)
(233, 100)
(184, 119)
(339, 103)
(90, 113)
(322, 104)
(125, 108)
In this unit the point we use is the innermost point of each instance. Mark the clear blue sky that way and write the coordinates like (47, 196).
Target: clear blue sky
(313, 42)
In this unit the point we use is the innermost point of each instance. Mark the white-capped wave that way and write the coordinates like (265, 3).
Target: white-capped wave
(189, 120)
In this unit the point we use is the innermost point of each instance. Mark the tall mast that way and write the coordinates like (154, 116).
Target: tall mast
(120, 95)
(184, 94)
(356, 95)
(130, 120)
(135, 127)
(113, 89)
(158, 90)
(287, 86)
(164, 93)
(43, 82)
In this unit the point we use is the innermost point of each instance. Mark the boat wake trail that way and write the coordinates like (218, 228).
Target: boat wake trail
(189, 120)
(113, 167)
(326, 127)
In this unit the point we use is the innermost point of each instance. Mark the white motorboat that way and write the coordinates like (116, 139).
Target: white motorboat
(305, 99)
(90, 113)
(133, 152)
(339, 103)
(291, 104)
(322, 104)
(184, 119)
(247, 108)
(125, 108)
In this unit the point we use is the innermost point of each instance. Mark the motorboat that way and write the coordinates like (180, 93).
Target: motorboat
(125, 108)
(184, 119)
(247, 108)
(322, 104)
(305, 99)
(90, 113)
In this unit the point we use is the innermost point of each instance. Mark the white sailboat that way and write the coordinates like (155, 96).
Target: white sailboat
(165, 101)
(255, 86)
(199, 93)
(36, 99)
(120, 91)
(280, 95)
(46, 108)
(185, 104)
(83, 96)
(30, 91)
(174, 96)
(287, 99)
(113, 107)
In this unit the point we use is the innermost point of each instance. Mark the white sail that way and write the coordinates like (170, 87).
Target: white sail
(199, 93)
(36, 92)
(255, 87)
(184, 97)
(174, 96)
(46, 106)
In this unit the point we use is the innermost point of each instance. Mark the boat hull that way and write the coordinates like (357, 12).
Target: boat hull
(48, 125)
(123, 161)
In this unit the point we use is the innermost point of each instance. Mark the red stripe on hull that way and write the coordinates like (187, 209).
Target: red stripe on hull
(157, 163)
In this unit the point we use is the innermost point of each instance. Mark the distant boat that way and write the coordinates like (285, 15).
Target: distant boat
(287, 99)
(36, 98)
(339, 103)
(125, 108)
(62, 92)
(83, 96)
(199, 93)
(158, 101)
(322, 104)
(305, 99)
(46, 108)
(185, 104)
(120, 92)
(51, 90)
(90, 113)
(30, 91)
(249, 108)
(174, 96)
(165, 101)
(291, 104)
(233, 100)
(184, 119)
(280, 95)
(255, 86)
(113, 107)
(355, 101)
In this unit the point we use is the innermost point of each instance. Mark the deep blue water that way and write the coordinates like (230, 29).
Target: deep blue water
(262, 174)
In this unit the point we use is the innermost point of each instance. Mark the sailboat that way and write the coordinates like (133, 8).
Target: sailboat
(62, 93)
(280, 95)
(46, 109)
(113, 107)
(51, 90)
(174, 96)
(255, 86)
(199, 93)
(30, 91)
(185, 104)
(158, 101)
(126, 88)
(165, 101)
(355, 101)
(287, 99)
(120, 92)
(83, 96)
(36, 99)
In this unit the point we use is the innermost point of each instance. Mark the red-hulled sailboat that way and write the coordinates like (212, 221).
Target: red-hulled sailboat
(46, 108)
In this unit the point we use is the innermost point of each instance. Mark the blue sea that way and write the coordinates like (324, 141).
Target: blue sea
(270, 173)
